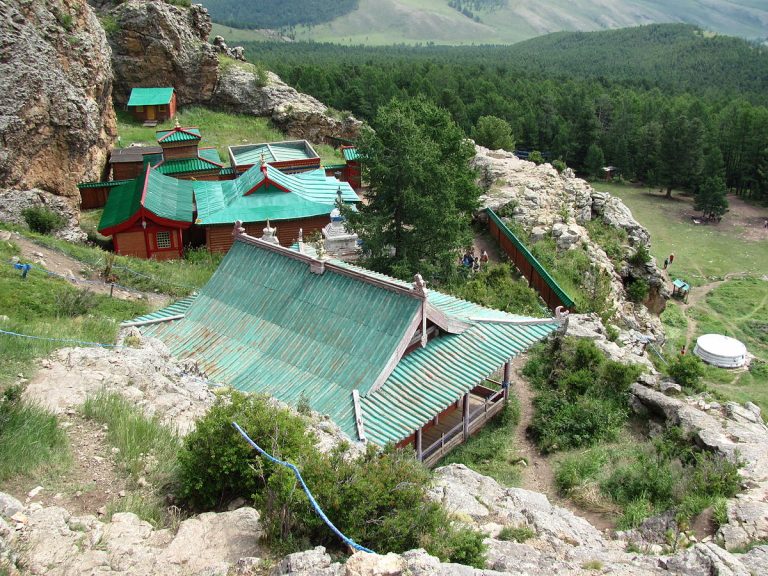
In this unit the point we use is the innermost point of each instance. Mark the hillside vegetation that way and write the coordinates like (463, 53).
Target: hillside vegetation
(670, 117)
(378, 22)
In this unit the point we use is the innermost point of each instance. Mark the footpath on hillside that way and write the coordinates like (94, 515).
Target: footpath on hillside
(70, 268)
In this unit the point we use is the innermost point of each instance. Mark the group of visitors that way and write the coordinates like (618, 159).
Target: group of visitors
(668, 260)
(472, 261)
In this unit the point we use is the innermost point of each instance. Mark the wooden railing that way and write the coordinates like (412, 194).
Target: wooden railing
(492, 404)
(527, 264)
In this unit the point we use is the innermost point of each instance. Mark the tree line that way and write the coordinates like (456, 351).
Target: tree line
(668, 138)
(276, 13)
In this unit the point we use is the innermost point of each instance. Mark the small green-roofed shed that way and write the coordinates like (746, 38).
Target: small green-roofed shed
(150, 96)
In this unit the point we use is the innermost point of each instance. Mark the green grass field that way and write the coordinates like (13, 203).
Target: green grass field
(219, 130)
(704, 254)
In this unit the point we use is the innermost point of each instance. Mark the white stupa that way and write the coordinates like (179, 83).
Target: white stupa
(722, 351)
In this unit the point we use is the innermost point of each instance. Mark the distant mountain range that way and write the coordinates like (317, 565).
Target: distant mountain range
(479, 21)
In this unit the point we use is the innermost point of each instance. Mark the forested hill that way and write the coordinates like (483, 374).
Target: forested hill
(381, 22)
(276, 13)
(671, 56)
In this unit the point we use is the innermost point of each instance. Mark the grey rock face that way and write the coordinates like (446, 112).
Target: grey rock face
(53, 542)
(13, 202)
(728, 430)
(56, 116)
(158, 44)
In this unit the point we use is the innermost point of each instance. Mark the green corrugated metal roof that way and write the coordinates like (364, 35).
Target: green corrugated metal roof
(228, 171)
(174, 309)
(178, 135)
(123, 202)
(272, 152)
(564, 298)
(105, 184)
(265, 323)
(150, 96)
(185, 165)
(169, 198)
(311, 194)
(350, 154)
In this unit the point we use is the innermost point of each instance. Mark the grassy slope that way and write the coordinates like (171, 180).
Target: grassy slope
(379, 22)
(738, 307)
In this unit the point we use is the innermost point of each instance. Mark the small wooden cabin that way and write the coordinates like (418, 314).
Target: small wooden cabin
(349, 171)
(152, 105)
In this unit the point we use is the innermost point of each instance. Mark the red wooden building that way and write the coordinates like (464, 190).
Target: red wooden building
(152, 105)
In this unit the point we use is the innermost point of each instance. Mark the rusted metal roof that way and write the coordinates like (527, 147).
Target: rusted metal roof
(266, 323)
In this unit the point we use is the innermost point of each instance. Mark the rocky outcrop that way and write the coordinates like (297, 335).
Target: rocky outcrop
(158, 44)
(243, 90)
(56, 116)
(549, 204)
(736, 432)
(13, 203)
(150, 377)
(51, 541)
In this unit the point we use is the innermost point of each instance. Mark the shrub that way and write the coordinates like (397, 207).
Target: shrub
(516, 533)
(640, 257)
(559, 165)
(110, 24)
(536, 157)
(217, 465)
(687, 370)
(720, 511)
(42, 220)
(637, 290)
(379, 500)
(577, 469)
(73, 303)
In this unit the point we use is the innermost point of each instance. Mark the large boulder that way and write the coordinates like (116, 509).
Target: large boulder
(159, 44)
(56, 115)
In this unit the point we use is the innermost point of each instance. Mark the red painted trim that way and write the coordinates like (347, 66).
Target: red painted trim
(115, 246)
(144, 190)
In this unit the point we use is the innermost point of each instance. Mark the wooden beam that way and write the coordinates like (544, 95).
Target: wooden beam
(506, 380)
(358, 415)
(418, 445)
(465, 416)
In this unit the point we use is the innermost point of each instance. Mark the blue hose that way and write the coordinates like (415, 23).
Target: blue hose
(312, 500)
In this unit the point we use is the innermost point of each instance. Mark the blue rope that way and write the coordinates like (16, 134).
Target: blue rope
(72, 278)
(81, 342)
(312, 500)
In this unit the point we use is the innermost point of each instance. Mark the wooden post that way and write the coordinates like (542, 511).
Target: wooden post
(465, 416)
(505, 382)
(418, 445)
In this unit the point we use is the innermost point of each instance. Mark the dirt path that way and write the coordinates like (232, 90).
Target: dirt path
(539, 474)
(69, 267)
(484, 242)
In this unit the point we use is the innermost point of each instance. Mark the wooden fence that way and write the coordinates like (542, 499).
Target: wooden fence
(537, 276)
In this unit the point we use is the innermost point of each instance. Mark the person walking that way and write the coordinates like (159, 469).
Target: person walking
(666, 263)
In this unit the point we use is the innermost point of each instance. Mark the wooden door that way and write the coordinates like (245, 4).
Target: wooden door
(151, 113)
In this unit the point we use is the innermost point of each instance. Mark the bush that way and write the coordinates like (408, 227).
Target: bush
(217, 465)
(516, 533)
(637, 290)
(378, 500)
(536, 157)
(42, 220)
(640, 257)
(559, 165)
(687, 370)
(73, 303)
(582, 398)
